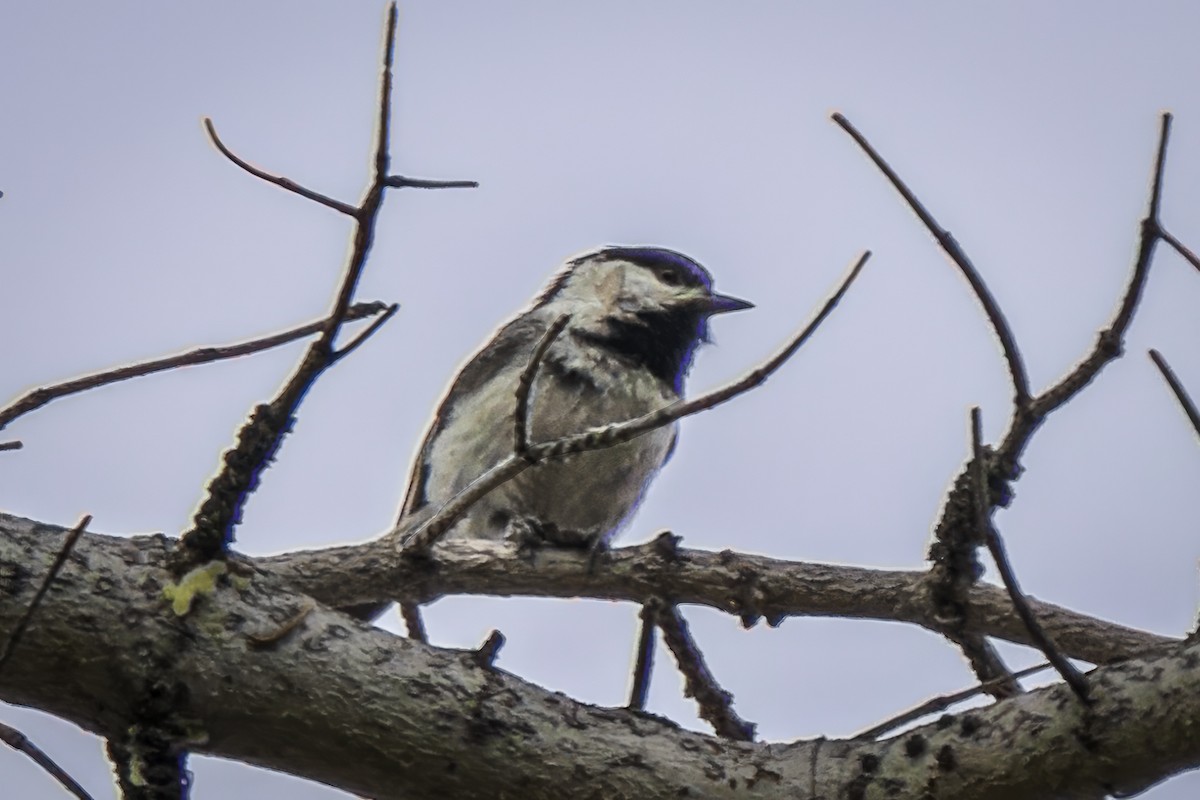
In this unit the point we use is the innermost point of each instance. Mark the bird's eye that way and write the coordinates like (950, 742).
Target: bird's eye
(669, 277)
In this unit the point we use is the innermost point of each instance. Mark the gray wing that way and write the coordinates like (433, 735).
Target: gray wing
(514, 341)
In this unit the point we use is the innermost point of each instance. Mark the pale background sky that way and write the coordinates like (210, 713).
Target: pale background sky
(1028, 128)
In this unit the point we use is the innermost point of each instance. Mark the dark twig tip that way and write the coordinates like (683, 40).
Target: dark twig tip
(1177, 388)
(403, 182)
(485, 655)
(13, 445)
(283, 183)
(20, 742)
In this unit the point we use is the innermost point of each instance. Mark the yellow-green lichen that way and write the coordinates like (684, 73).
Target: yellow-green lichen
(200, 581)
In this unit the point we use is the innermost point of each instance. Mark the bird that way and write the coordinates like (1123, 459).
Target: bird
(635, 317)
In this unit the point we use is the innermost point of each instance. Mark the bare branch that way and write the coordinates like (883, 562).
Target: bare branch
(525, 385)
(643, 663)
(696, 577)
(366, 333)
(20, 742)
(1012, 354)
(983, 520)
(1185, 402)
(1181, 248)
(401, 182)
(613, 434)
(383, 133)
(1110, 343)
(16, 444)
(55, 567)
(281, 182)
(37, 398)
(940, 703)
(261, 436)
(716, 704)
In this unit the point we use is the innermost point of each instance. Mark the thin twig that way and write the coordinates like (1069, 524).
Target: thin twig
(401, 182)
(716, 704)
(1012, 354)
(1185, 402)
(1110, 343)
(1180, 248)
(643, 664)
(202, 355)
(983, 520)
(940, 703)
(281, 182)
(525, 385)
(366, 333)
(414, 623)
(20, 742)
(261, 436)
(55, 567)
(612, 434)
(16, 444)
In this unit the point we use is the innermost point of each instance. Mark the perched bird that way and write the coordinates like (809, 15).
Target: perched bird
(637, 315)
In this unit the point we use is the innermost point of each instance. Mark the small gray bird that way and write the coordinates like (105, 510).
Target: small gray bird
(637, 315)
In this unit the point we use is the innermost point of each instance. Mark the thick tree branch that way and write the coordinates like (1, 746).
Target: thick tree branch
(386, 717)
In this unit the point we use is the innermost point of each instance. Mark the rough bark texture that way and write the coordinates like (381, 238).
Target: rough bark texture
(116, 648)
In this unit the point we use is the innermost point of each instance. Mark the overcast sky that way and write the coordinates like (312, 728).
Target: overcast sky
(1028, 128)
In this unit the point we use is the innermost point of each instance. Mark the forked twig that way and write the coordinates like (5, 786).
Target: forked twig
(940, 703)
(983, 520)
(613, 434)
(1185, 402)
(261, 436)
(55, 567)
(20, 742)
(1012, 354)
(716, 704)
(37, 398)
(953, 553)
(366, 333)
(1110, 343)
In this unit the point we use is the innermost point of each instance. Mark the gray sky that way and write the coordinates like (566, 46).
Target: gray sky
(1027, 128)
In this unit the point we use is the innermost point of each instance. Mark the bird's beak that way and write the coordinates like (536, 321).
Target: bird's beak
(723, 303)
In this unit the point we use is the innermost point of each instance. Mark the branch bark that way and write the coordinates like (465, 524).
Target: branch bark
(736, 583)
(355, 707)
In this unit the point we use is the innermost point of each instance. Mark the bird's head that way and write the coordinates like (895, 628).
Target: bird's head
(648, 303)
